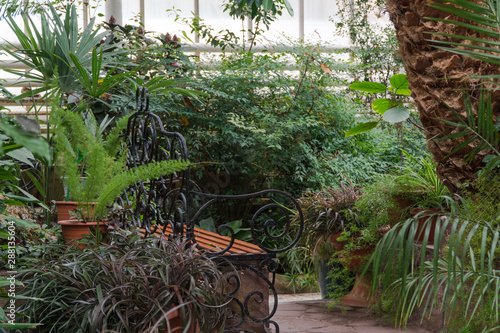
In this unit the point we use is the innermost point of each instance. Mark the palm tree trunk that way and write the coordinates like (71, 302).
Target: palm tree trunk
(438, 78)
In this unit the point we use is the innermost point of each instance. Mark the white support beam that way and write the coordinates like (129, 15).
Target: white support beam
(85, 10)
(142, 9)
(249, 29)
(114, 8)
(197, 14)
(257, 48)
(301, 20)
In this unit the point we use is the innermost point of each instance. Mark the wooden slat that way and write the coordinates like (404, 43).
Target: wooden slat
(211, 241)
(245, 246)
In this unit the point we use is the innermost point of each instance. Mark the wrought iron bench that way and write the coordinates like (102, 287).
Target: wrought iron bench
(173, 206)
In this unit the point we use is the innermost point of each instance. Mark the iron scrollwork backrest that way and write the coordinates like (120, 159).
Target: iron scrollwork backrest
(156, 204)
(276, 225)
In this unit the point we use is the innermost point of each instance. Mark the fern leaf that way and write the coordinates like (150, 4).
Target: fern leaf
(120, 182)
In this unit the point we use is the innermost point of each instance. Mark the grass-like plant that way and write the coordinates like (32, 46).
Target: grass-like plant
(457, 277)
(93, 165)
(419, 182)
(327, 212)
(130, 285)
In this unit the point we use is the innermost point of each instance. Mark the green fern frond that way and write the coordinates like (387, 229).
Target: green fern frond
(82, 158)
(112, 143)
(120, 182)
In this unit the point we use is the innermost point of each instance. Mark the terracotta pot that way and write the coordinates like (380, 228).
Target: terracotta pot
(359, 296)
(64, 207)
(422, 223)
(175, 324)
(73, 230)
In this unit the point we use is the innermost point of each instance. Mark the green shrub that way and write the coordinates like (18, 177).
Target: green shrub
(265, 126)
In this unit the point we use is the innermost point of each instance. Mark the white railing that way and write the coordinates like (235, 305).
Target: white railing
(114, 7)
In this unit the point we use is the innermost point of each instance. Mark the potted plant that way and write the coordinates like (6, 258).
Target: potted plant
(94, 167)
(326, 212)
(132, 284)
(419, 182)
(383, 204)
(412, 189)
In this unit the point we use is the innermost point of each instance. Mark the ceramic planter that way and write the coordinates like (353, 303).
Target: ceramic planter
(72, 230)
(359, 296)
(64, 207)
(429, 215)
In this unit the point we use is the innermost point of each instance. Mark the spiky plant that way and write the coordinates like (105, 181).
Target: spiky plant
(132, 285)
(462, 276)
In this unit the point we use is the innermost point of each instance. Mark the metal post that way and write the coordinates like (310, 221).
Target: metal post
(196, 14)
(142, 9)
(85, 9)
(114, 7)
(301, 20)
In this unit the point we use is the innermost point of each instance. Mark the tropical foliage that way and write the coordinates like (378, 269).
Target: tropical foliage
(278, 129)
(373, 48)
(485, 15)
(392, 110)
(17, 145)
(461, 278)
(94, 165)
(130, 285)
(49, 50)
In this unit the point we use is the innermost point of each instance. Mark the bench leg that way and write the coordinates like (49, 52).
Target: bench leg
(248, 289)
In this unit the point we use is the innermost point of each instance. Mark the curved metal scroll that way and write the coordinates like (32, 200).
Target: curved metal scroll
(243, 304)
(156, 205)
(173, 204)
(272, 222)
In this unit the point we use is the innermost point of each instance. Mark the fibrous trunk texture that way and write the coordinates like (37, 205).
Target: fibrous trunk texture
(438, 78)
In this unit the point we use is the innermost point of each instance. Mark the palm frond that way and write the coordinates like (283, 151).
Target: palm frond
(481, 130)
(484, 19)
(457, 278)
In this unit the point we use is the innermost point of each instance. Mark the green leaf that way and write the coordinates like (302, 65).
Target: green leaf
(399, 84)
(402, 91)
(208, 224)
(6, 175)
(380, 105)
(361, 128)
(4, 234)
(29, 198)
(396, 115)
(22, 155)
(17, 326)
(36, 144)
(370, 87)
(399, 81)
(289, 7)
(19, 222)
(268, 5)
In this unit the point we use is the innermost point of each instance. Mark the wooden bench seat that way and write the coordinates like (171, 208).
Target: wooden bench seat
(213, 242)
